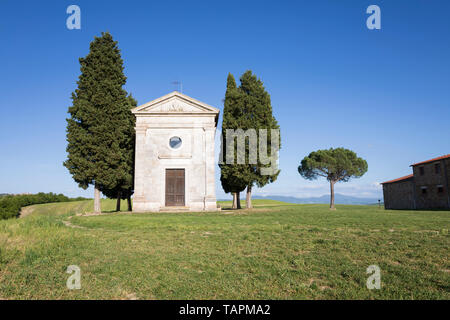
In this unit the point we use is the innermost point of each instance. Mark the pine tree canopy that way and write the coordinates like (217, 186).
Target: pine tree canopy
(333, 164)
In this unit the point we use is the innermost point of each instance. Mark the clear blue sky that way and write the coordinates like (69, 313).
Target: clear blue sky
(383, 93)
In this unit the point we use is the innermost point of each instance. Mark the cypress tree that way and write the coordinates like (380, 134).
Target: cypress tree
(232, 175)
(125, 185)
(257, 113)
(99, 120)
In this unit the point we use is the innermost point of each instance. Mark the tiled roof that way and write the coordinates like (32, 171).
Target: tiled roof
(431, 160)
(399, 179)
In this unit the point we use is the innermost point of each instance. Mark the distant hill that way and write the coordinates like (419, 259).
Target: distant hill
(338, 198)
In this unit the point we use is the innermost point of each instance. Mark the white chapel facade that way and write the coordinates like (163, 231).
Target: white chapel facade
(174, 160)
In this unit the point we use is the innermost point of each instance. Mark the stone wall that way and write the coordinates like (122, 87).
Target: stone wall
(427, 189)
(427, 185)
(399, 195)
(447, 179)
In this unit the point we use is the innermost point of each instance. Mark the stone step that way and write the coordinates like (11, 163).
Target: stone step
(174, 209)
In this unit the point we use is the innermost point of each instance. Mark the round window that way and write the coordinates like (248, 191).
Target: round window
(175, 142)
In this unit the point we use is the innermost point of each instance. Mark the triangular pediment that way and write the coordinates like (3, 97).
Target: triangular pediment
(175, 102)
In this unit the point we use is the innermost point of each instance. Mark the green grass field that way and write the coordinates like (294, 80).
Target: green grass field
(275, 251)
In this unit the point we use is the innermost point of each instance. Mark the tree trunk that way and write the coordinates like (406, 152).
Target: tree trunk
(130, 208)
(332, 195)
(119, 195)
(97, 205)
(238, 200)
(234, 206)
(248, 198)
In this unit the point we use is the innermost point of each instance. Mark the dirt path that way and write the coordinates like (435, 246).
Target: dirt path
(25, 211)
(67, 223)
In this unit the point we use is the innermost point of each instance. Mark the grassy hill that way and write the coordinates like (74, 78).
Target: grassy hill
(275, 251)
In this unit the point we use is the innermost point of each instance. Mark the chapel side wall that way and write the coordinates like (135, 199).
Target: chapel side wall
(210, 166)
(139, 174)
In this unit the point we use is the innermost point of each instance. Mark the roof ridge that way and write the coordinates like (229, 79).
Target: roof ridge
(399, 179)
(431, 160)
(200, 105)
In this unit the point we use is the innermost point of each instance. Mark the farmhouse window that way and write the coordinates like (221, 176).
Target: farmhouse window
(440, 189)
(437, 168)
(424, 190)
(422, 171)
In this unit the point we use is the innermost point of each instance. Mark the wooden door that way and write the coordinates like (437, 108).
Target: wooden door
(174, 187)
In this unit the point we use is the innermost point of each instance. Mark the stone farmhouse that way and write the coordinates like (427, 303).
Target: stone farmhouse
(426, 188)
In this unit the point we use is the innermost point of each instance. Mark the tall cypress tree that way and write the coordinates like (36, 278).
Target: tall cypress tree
(257, 113)
(99, 120)
(232, 176)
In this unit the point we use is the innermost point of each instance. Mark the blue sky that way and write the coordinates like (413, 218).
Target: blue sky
(333, 82)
